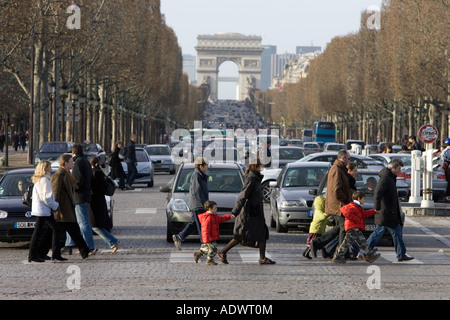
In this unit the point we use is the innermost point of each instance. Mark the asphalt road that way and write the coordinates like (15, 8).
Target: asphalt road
(146, 267)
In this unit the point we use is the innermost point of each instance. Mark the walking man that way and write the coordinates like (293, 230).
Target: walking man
(198, 195)
(338, 195)
(131, 161)
(82, 172)
(386, 201)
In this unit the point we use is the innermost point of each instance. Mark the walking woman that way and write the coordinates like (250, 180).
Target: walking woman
(250, 227)
(44, 208)
(62, 183)
(102, 221)
(116, 166)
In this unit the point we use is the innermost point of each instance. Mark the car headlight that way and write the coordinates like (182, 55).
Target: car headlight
(292, 203)
(3, 214)
(146, 170)
(180, 205)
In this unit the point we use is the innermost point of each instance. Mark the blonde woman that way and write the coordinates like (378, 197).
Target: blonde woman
(44, 208)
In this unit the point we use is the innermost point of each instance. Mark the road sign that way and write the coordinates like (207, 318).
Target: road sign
(428, 133)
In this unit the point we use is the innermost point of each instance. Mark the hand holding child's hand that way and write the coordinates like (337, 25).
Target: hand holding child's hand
(233, 216)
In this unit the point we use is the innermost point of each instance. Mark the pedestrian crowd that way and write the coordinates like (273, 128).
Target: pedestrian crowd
(70, 205)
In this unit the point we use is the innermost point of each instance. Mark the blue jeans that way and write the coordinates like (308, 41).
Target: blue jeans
(191, 226)
(132, 173)
(109, 239)
(397, 237)
(82, 214)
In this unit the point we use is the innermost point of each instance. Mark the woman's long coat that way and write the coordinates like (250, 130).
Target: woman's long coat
(63, 193)
(250, 223)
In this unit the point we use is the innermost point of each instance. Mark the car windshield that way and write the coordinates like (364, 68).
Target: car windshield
(291, 154)
(15, 184)
(54, 148)
(219, 180)
(90, 147)
(141, 156)
(221, 155)
(158, 151)
(303, 177)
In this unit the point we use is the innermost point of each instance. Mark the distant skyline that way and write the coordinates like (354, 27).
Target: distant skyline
(283, 23)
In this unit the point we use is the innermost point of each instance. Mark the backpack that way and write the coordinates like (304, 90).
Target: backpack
(27, 198)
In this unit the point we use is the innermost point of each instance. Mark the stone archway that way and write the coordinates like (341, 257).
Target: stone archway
(245, 51)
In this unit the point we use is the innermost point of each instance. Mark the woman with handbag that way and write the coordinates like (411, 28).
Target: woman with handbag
(250, 227)
(62, 184)
(102, 221)
(116, 165)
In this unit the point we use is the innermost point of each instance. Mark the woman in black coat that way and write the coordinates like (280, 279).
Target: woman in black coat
(101, 221)
(250, 227)
(116, 166)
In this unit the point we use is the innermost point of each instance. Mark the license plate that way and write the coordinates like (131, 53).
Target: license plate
(23, 225)
(157, 165)
(370, 227)
(309, 213)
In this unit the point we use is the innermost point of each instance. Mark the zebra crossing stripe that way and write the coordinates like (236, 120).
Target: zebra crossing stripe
(146, 211)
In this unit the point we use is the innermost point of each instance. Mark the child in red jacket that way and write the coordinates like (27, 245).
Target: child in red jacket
(354, 225)
(210, 221)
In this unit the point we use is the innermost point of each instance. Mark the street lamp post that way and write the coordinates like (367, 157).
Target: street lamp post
(74, 98)
(52, 105)
(63, 96)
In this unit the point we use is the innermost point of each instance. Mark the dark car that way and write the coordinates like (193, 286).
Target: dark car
(95, 150)
(288, 154)
(16, 221)
(225, 181)
(366, 181)
(51, 151)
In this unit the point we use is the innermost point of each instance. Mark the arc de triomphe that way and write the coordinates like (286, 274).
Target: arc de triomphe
(245, 51)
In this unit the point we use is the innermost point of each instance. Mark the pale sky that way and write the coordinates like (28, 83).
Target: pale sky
(283, 23)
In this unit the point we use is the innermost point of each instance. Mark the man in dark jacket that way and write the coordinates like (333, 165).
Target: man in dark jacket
(386, 201)
(82, 172)
(338, 195)
(131, 161)
(198, 195)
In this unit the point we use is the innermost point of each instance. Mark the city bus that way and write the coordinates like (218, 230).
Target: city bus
(307, 135)
(324, 131)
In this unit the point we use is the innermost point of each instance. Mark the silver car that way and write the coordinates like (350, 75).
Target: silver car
(439, 180)
(161, 157)
(144, 168)
(290, 201)
(362, 162)
(225, 181)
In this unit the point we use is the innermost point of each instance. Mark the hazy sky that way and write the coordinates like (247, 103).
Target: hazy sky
(284, 23)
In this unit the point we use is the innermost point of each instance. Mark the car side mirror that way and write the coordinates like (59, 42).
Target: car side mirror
(313, 192)
(165, 189)
(272, 184)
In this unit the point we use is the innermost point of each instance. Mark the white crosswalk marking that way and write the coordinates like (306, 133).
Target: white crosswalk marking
(392, 257)
(245, 256)
(146, 211)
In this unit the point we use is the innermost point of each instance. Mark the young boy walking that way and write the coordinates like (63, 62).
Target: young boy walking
(209, 222)
(354, 225)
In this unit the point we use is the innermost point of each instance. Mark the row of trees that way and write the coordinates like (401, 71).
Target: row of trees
(93, 70)
(378, 84)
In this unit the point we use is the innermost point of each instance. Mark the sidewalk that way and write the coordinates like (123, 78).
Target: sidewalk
(16, 160)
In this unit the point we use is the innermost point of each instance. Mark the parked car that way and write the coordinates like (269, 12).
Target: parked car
(225, 181)
(290, 201)
(161, 157)
(144, 168)
(95, 150)
(311, 147)
(363, 162)
(51, 151)
(333, 146)
(16, 221)
(439, 180)
(288, 154)
(366, 181)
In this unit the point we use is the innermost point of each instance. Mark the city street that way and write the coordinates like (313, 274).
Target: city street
(146, 267)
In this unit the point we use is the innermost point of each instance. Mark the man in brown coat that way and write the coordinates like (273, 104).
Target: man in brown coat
(338, 195)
